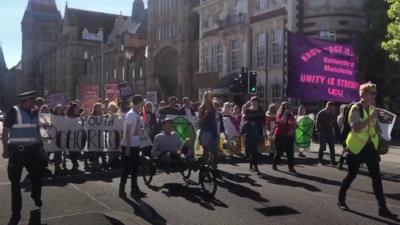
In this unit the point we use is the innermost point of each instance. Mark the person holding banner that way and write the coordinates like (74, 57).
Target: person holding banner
(97, 111)
(58, 155)
(74, 111)
(363, 144)
(114, 156)
(284, 136)
(21, 145)
(131, 148)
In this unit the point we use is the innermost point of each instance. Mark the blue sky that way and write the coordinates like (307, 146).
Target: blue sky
(12, 11)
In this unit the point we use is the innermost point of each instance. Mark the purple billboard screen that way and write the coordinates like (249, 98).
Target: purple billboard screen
(321, 70)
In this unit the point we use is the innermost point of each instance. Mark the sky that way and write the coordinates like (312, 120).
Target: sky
(11, 13)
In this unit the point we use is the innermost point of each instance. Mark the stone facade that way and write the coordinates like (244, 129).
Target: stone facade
(9, 90)
(41, 26)
(3, 74)
(172, 47)
(94, 47)
(335, 20)
(175, 47)
(247, 33)
(124, 52)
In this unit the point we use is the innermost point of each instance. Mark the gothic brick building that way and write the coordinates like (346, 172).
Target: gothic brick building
(3, 74)
(60, 55)
(172, 47)
(40, 26)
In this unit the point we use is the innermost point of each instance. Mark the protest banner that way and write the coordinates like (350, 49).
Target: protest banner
(58, 98)
(233, 136)
(111, 92)
(125, 90)
(304, 131)
(92, 133)
(321, 70)
(89, 96)
(151, 96)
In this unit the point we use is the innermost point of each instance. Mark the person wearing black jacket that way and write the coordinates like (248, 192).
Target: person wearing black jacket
(253, 129)
(187, 108)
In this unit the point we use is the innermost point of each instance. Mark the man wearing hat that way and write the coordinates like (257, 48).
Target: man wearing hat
(21, 145)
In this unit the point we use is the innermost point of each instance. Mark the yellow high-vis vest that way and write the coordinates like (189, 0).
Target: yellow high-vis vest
(356, 141)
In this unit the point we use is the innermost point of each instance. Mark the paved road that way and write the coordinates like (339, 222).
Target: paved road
(242, 198)
(274, 197)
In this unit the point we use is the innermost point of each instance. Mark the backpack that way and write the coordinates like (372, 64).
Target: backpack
(346, 126)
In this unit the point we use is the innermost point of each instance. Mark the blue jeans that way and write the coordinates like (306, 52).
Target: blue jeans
(209, 142)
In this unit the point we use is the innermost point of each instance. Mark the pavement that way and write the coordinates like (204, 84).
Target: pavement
(242, 198)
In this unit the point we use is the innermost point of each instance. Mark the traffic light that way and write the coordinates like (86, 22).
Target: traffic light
(245, 83)
(252, 83)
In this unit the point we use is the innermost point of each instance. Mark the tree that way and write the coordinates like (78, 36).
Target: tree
(392, 44)
(373, 58)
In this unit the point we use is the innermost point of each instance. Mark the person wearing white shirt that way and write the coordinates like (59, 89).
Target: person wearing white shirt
(131, 148)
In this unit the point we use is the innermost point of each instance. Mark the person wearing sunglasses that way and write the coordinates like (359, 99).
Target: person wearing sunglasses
(362, 143)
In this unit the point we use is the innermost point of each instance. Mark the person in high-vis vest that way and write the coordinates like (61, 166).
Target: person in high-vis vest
(21, 145)
(362, 143)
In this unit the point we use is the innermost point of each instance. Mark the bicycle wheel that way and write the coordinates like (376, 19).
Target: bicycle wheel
(207, 180)
(148, 171)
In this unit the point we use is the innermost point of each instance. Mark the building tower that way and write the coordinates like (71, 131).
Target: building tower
(138, 11)
(3, 72)
(3, 66)
(40, 26)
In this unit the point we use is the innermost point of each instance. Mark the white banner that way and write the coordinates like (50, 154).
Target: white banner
(93, 133)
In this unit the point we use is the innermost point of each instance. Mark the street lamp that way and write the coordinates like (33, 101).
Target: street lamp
(101, 36)
(129, 56)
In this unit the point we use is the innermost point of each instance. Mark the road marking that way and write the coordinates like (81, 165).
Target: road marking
(65, 215)
(5, 183)
(91, 196)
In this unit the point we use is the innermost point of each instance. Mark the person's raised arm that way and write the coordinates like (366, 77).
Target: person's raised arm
(356, 124)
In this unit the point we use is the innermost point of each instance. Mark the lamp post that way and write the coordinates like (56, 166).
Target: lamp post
(129, 56)
(101, 36)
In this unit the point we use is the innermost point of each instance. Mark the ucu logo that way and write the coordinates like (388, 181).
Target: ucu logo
(335, 92)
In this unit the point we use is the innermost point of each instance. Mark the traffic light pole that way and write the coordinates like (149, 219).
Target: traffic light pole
(266, 85)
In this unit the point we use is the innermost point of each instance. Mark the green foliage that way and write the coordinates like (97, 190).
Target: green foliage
(374, 60)
(392, 44)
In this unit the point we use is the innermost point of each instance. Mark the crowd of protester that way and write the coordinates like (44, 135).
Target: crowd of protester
(275, 127)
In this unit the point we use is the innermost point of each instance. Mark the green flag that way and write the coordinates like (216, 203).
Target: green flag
(304, 132)
(184, 128)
